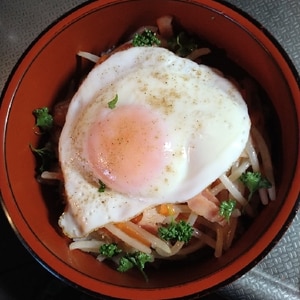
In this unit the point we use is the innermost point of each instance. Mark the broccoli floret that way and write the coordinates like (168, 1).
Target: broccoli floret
(176, 231)
(109, 250)
(125, 264)
(226, 208)
(136, 259)
(183, 44)
(254, 181)
(44, 119)
(102, 186)
(146, 38)
(127, 261)
(112, 104)
(46, 154)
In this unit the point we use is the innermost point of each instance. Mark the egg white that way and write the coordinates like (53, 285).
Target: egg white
(207, 127)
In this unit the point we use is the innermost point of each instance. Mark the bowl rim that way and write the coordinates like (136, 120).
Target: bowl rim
(230, 11)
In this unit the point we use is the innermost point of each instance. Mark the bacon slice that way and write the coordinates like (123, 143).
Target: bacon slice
(165, 26)
(206, 205)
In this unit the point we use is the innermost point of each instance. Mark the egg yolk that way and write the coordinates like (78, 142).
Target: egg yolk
(126, 149)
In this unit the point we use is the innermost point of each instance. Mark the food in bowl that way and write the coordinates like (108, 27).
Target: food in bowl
(158, 154)
(51, 62)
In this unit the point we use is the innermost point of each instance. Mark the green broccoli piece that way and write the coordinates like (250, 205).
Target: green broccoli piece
(44, 119)
(125, 264)
(183, 44)
(113, 102)
(102, 186)
(127, 261)
(46, 154)
(254, 181)
(146, 38)
(227, 208)
(109, 250)
(176, 231)
(136, 259)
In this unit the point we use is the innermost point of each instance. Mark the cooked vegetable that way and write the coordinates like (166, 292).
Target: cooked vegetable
(227, 208)
(167, 209)
(146, 38)
(136, 259)
(46, 154)
(109, 250)
(113, 102)
(176, 231)
(102, 187)
(127, 261)
(44, 119)
(183, 44)
(254, 181)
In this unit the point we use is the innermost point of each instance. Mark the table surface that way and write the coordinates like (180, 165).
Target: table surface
(277, 276)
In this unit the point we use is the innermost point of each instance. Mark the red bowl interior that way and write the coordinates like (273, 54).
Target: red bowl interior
(39, 79)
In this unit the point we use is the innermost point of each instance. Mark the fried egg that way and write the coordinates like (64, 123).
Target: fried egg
(152, 128)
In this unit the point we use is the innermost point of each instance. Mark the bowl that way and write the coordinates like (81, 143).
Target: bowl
(40, 78)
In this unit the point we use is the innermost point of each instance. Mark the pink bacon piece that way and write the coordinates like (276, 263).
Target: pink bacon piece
(206, 205)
